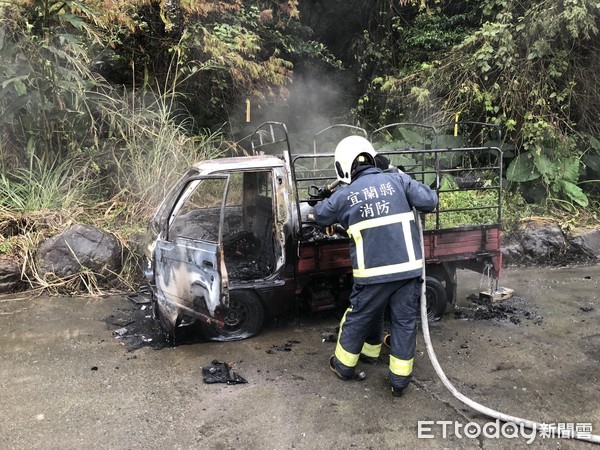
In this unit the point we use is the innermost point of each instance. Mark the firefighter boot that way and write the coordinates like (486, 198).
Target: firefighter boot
(397, 392)
(368, 359)
(345, 375)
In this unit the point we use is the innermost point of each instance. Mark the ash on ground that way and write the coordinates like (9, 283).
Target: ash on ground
(135, 328)
(287, 347)
(513, 310)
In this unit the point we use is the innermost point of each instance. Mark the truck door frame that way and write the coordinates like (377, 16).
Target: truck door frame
(192, 278)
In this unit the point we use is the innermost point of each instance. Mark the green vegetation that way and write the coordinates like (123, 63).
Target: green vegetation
(103, 104)
(450, 200)
(528, 67)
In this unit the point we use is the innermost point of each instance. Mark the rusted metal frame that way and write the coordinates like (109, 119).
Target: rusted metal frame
(433, 131)
(312, 157)
(467, 208)
(338, 126)
(268, 129)
(500, 168)
(500, 177)
(437, 188)
(497, 187)
(297, 180)
(380, 130)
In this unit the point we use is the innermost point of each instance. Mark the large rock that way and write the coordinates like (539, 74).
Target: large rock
(547, 244)
(588, 242)
(80, 247)
(10, 275)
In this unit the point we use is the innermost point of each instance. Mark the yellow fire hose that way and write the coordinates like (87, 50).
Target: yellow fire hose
(464, 399)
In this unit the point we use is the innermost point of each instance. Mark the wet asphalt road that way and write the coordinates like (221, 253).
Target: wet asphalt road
(67, 382)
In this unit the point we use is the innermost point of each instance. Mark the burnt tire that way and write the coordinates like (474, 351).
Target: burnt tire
(243, 319)
(437, 301)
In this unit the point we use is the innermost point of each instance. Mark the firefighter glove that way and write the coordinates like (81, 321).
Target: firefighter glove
(325, 192)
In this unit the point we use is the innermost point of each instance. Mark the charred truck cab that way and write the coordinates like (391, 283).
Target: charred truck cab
(219, 257)
(235, 242)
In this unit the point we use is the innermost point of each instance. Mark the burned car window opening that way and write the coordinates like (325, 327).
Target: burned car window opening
(198, 216)
(248, 235)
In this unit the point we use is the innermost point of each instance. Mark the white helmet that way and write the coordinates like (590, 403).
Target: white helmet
(347, 151)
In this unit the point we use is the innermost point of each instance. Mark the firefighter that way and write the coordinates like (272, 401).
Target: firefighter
(375, 208)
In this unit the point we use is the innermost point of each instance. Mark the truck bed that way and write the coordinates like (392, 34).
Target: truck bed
(464, 230)
(461, 245)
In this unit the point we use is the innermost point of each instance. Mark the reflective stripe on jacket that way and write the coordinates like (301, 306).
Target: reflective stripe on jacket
(376, 210)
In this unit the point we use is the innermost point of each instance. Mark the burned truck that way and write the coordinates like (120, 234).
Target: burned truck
(236, 244)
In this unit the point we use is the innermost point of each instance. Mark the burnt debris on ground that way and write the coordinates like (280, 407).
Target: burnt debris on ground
(135, 328)
(512, 310)
(221, 372)
(287, 347)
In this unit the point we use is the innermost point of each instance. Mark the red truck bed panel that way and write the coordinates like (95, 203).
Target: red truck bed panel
(323, 255)
(446, 245)
(457, 242)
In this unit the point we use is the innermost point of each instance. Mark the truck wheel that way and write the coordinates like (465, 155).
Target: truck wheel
(243, 319)
(435, 294)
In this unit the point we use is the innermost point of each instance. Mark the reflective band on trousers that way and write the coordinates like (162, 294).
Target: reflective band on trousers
(371, 350)
(402, 367)
(346, 358)
(356, 232)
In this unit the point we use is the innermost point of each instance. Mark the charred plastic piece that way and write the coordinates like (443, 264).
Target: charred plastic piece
(220, 372)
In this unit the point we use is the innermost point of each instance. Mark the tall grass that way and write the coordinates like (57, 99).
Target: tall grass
(152, 151)
(47, 183)
(116, 184)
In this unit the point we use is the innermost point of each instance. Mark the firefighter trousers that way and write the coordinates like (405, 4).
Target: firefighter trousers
(361, 328)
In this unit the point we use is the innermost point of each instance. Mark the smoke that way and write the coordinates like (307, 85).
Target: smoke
(317, 98)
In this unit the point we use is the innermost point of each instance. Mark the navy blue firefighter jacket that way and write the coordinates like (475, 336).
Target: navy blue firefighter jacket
(376, 211)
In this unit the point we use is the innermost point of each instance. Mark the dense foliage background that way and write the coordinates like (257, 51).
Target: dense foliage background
(102, 103)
